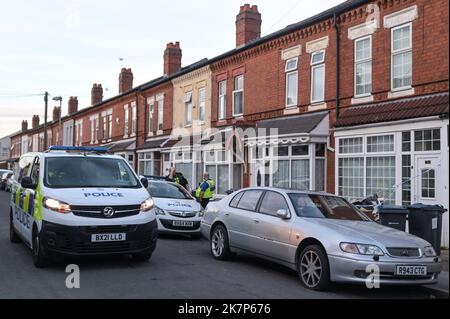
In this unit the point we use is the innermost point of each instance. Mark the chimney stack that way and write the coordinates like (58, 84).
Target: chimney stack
(248, 24)
(172, 58)
(35, 123)
(125, 80)
(24, 125)
(73, 104)
(56, 113)
(96, 94)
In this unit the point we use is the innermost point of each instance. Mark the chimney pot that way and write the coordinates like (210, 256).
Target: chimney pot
(248, 24)
(24, 125)
(73, 105)
(96, 94)
(172, 58)
(56, 113)
(35, 122)
(125, 80)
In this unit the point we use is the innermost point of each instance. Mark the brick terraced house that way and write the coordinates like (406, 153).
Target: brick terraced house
(355, 100)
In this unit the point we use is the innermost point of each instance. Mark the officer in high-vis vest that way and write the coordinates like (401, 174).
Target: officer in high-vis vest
(205, 190)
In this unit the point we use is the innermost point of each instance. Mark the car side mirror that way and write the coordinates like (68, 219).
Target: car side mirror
(144, 182)
(283, 214)
(27, 182)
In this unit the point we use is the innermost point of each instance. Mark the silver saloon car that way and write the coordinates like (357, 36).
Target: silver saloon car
(320, 235)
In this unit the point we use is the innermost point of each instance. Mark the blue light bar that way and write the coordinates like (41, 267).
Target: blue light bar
(96, 149)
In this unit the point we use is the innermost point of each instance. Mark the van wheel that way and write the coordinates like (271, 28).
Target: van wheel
(40, 260)
(13, 237)
(144, 256)
(313, 268)
(220, 247)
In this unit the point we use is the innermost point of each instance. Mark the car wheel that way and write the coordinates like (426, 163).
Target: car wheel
(40, 260)
(144, 256)
(313, 268)
(220, 248)
(13, 237)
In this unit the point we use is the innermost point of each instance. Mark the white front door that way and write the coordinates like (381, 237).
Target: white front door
(428, 178)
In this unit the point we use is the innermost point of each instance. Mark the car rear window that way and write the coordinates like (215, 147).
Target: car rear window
(249, 200)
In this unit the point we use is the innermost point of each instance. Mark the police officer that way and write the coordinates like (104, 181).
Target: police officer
(178, 178)
(205, 190)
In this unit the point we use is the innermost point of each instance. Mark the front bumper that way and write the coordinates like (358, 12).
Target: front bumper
(165, 226)
(76, 240)
(351, 270)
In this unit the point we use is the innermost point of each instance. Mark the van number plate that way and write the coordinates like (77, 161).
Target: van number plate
(108, 237)
(401, 270)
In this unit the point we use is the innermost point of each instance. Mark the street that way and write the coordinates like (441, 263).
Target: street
(180, 268)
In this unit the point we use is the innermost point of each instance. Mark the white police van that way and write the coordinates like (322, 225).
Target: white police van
(72, 201)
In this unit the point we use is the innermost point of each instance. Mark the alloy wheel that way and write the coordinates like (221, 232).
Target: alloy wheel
(310, 268)
(218, 243)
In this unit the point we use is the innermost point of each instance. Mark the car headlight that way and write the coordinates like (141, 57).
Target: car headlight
(361, 249)
(159, 211)
(56, 205)
(429, 251)
(147, 205)
(201, 213)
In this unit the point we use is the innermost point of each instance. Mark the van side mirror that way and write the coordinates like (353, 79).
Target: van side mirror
(283, 214)
(144, 182)
(27, 182)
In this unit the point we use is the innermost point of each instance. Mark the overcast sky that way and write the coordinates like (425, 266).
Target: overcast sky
(63, 47)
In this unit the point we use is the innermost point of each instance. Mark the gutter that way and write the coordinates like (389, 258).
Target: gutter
(338, 65)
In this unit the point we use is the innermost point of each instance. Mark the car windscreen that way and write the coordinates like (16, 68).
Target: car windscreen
(322, 206)
(83, 172)
(167, 190)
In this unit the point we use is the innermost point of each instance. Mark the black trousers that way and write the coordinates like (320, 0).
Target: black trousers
(204, 202)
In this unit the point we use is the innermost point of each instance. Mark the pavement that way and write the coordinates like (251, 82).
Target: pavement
(180, 268)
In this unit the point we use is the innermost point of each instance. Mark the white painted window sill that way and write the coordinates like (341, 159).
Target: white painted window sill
(401, 93)
(317, 106)
(159, 132)
(291, 110)
(362, 99)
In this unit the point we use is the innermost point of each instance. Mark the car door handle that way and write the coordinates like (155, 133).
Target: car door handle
(256, 221)
(227, 214)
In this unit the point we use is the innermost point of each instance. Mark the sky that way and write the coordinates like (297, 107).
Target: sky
(63, 47)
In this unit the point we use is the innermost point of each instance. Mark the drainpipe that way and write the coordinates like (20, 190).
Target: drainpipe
(338, 68)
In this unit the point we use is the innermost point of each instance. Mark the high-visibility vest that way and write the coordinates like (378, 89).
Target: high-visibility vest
(208, 192)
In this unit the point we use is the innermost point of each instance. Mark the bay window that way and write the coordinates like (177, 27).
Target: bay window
(160, 100)
(126, 121)
(133, 118)
(151, 110)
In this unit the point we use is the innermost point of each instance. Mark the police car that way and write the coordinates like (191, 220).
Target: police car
(177, 212)
(74, 201)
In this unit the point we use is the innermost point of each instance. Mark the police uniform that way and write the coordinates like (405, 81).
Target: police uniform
(207, 187)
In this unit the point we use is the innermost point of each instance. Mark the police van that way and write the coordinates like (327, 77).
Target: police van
(72, 201)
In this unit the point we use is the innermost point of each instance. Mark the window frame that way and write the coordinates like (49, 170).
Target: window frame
(187, 108)
(126, 121)
(133, 118)
(400, 51)
(291, 72)
(314, 66)
(201, 104)
(363, 61)
(151, 113)
(222, 98)
(238, 91)
(274, 214)
(160, 122)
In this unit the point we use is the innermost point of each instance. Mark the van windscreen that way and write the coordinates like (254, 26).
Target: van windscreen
(84, 172)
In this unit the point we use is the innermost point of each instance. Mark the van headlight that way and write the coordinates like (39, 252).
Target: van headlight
(147, 205)
(361, 249)
(429, 251)
(56, 205)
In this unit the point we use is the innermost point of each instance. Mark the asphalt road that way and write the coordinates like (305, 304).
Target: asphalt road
(180, 268)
